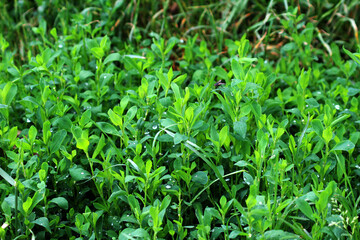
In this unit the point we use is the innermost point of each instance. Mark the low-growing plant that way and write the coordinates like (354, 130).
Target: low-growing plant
(172, 137)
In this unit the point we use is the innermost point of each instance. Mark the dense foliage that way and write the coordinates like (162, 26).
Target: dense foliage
(170, 120)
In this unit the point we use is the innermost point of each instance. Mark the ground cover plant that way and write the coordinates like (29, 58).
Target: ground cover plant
(170, 120)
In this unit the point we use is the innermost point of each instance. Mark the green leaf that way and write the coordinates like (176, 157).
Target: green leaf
(304, 78)
(322, 203)
(45, 94)
(178, 138)
(123, 103)
(176, 90)
(327, 134)
(200, 177)
(279, 234)
(221, 73)
(7, 177)
(317, 126)
(132, 234)
(236, 69)
(340, 119)
(305, 208)
(240, 127)
(99, 146)
(32, 134)
(166, 101)
(46, 131)
(247, 60)
(98, 52)
(193, 147)
(27, 204)
(214, 134)
(9, 93)
(241, 163)
(79, 174)
(115, 119)
(248, 179)
(223, 135)
(353, 57)
(31, 100)
(44, 222)
(61, 202)
(85, 118)
(312, 103)
(76, 131)
(57, 140)
(53, 33)
(82, 144)
(112, 57)
(162, 79)
(131, 113)
(63, 123)
(108, 128)
(346, 145)
(180, 79)
(85, 74)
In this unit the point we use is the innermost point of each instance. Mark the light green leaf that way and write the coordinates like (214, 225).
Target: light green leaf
(27, 204)
(98, 52)
(327, 134)
(82, 144)
(32, 134)
(115, 119)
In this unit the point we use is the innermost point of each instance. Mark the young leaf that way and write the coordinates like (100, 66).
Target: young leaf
(98, 52)
(82, 144)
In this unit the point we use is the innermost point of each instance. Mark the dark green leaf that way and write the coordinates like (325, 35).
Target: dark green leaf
(200, 177)
(78, 174)
(57, 140)
(44, 222)
(61, 202)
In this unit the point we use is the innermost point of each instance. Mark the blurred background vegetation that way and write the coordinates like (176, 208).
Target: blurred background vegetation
(269, 25)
